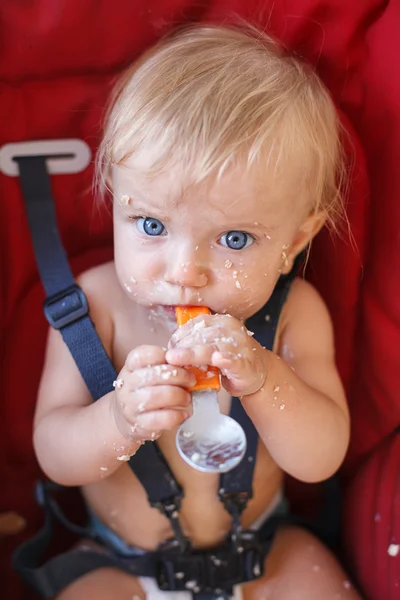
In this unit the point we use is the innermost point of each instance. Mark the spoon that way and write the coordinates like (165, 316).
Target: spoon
(208, 441)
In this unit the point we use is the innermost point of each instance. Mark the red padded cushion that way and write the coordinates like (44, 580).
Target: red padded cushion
(372, 521)
(57, 63)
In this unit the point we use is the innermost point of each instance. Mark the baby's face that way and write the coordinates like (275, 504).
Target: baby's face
(221, 244)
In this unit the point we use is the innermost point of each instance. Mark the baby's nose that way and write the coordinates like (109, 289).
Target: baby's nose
(186, 274)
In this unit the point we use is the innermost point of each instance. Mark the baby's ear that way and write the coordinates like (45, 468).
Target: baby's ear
(305, 233)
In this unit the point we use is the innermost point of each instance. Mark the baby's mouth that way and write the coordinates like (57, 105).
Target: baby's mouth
(170, 309)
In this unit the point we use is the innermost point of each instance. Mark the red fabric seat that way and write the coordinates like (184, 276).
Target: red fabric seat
(56, 66)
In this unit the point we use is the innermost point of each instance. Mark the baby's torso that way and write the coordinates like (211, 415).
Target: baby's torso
(120, 500)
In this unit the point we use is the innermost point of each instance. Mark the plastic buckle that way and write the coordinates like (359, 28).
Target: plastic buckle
(170, 508)
(181, 572)
(66, 307)
(209, 572)
(235, 504)
(62, 156)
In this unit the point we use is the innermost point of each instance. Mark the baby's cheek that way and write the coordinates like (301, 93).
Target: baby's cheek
(240, 278)
(151, 268)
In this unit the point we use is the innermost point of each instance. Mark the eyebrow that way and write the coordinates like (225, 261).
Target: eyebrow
(148, 211)
(258, 225)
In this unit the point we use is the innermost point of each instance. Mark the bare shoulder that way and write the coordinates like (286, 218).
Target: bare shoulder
(306, 341)
(103, 292)
(97, 280)
(306, 325)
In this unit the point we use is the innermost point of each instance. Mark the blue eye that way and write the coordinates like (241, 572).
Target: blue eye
(236, 240)
(150, 226)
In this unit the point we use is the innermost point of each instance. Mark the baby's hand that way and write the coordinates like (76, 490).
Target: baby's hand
(150, 395)
(225, 343)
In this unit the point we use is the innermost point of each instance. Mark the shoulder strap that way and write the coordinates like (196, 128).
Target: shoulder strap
(65, 307)
(236, 486)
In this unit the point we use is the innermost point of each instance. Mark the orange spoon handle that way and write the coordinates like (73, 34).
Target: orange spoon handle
(206, 379)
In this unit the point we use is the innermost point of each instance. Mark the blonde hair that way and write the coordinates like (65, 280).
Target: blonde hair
(209, 95)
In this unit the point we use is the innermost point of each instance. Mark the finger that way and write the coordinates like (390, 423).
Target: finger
(218, 336)
(228, 363)
(197, 324)
(204, 336)
(197, 356)
(144, 356)
(237, 373)
(161, 419)
(150, 399)
(160, 375)
(232, 371)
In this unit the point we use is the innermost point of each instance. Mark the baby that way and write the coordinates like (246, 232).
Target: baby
(223, 160)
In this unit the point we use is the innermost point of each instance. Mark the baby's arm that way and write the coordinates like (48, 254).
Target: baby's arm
(295, 399)
(78, 441)
(301, 412)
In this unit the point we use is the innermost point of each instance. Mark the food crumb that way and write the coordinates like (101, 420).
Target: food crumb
(118, 383)
(123, 457)
(393, 549)
(346, 585)
(316, 568)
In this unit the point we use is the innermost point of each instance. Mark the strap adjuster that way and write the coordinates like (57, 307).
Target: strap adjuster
(170, 508)
(66, 307)
(210, 571)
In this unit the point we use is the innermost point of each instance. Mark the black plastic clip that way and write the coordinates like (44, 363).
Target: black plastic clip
(66, 307)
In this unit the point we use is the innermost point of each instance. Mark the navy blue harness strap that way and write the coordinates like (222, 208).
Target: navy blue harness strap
(66, 307)
(59, 572)
(264, 325)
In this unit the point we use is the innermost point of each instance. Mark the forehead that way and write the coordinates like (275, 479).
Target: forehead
(238, 192)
